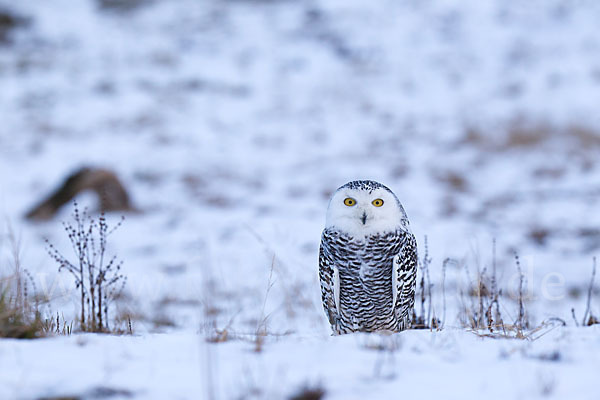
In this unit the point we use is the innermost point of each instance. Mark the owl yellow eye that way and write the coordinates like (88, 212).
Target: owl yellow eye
(377, 202)
(349, 201)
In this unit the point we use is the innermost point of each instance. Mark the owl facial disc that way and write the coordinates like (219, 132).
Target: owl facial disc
(362, 208)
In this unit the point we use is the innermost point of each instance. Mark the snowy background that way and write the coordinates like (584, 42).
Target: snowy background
(232, 122)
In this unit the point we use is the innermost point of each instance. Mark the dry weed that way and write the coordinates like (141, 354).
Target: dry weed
(19, 313)
(97, 277)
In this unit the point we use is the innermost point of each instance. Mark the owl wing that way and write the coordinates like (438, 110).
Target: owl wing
(330, 283)
(404, 275)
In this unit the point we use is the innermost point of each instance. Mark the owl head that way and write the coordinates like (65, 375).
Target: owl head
(363, 208)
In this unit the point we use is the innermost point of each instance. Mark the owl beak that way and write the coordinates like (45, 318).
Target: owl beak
(364, 217)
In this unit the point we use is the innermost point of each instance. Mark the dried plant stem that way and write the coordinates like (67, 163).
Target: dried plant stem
(589, 295)
(444, 265)
(521, 318)
(574, 317)
(261, 328)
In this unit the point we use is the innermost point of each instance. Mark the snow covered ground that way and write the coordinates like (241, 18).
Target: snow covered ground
(231, 123)
(449, 363)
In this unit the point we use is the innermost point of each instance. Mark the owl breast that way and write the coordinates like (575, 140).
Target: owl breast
(365, 279)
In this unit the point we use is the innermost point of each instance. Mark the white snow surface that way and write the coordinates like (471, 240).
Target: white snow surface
(232, 122)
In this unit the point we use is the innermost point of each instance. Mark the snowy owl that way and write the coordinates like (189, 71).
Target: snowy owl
(367, 260)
